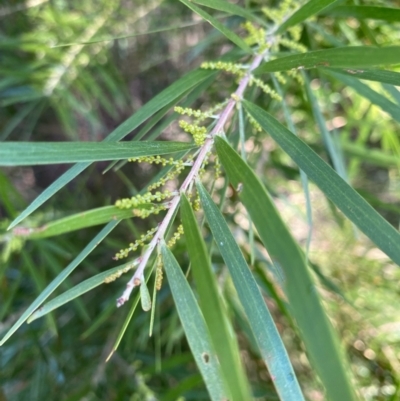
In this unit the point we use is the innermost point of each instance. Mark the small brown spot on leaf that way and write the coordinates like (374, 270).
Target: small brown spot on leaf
(206, 357)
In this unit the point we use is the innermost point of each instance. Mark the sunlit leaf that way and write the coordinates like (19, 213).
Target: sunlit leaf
(262, 325)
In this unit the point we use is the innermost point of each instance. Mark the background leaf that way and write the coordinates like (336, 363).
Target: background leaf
(304, 303)
(334, 187)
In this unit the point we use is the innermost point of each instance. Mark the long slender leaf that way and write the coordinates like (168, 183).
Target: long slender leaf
(374, 97)
(215, 314)
(60, 278)
(261, 322)
(305, 306)
(384, 76)
(342, 57)
(217, 25)
(76, 291)
(194, 326)
(88, 218)
(366, 12)
(306, 11)
(174, 92)
(386, 237)
(34, 153)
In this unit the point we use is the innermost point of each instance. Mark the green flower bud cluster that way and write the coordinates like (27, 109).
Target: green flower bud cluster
(153, 160)
(277, 15)
(159, 272)
(296, 75)
(148, 197)
(253, 122)
(190, 112)
(217, 166)
(265, 88)
(152, 209)
(177, 234)
(236, 69)
(179, 166)
(199, 133)
(118, 274)
(123, 253)
(256, 36)
(291, 44)
(198, 114)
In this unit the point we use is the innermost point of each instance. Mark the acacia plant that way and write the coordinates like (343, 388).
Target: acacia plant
(273, 51)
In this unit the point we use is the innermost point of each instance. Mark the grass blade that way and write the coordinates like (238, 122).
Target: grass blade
(342, 57)
(60, 278)
(194, 326)
(386, 237)
(306, 11)
(366, 12)
(261, 322)
(211, 305)
(35, 153)
(220, 27)
(304, 302)
(173, 92)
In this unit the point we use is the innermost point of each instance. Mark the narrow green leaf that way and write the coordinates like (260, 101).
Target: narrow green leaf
(78, 290)
(60, 278)
(215, 315)
(88, 218)
(174, 92)
(328, 141)
(34, 153)
(145, 298)
(366, 12)
(341, 57)
(194, 326)
(386, 237)
(388, 77)
(223, 5)
(321, 344)
(217, 25)
(260, 320)
(306, 11)
(374, 97)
